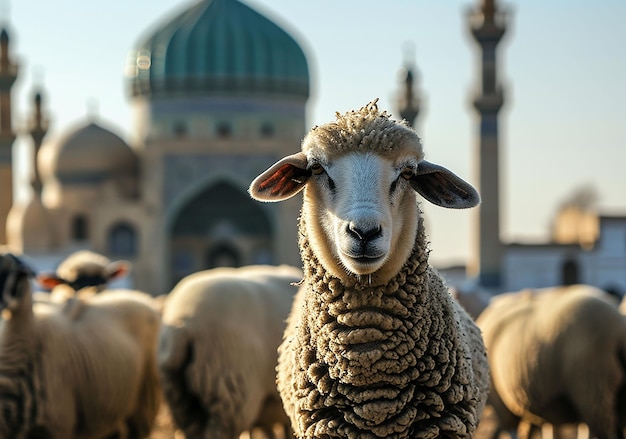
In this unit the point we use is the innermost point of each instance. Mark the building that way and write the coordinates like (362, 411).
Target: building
(584, 246)
(600, 262)
(214, 106)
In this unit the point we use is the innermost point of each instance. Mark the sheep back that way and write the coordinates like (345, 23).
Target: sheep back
(109, 349)
(218, 345)
(556, 356)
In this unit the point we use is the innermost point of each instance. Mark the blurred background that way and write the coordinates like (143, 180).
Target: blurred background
(150, 119)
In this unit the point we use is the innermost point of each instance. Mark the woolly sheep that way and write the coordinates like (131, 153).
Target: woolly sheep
(89, 376)
(218, 349)
(375, 345)
(557, 356)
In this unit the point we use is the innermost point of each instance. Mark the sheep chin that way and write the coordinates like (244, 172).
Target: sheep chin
(363, 266)
(363, 259)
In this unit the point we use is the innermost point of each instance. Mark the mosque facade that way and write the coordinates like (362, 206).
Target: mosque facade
(218, 94)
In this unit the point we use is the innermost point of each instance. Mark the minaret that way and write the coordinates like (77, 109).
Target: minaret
(29, 226)
(37, 130)
(408, 101)
(8, 74)
(488, 26)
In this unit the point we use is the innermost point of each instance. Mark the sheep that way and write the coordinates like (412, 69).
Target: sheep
(375, 346)
(557, 356)
(218, 349)
(89, 376)
(82, 270)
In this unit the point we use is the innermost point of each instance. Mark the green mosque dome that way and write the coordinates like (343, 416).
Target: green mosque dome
(219, 47)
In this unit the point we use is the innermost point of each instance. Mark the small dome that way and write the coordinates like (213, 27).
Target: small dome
(89, 154)
(219, 47)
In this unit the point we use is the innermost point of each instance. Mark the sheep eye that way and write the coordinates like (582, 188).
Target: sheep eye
(407, 173)
(317, 169)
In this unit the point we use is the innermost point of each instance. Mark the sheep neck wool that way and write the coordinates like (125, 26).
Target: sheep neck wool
(378, 355)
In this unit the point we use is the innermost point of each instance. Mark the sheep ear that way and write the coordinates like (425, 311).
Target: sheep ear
(117, 269)
(282, 180)
(49, 280)
(443, 188)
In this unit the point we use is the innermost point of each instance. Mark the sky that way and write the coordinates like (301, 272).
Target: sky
(562, 65)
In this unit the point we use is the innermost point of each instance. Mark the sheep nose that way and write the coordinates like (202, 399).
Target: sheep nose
(364, 235)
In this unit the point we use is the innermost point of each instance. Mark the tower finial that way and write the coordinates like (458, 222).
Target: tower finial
(408, 101)
(409, 51)
(5, 10)
(38, 128)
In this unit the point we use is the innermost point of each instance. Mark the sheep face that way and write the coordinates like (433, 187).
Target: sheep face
(14, 277)
(84, 269)
(358, 206)
(361, 175)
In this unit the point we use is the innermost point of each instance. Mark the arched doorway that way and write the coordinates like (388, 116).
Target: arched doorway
(570, 273)
(220, 226)
(222, 255)
(122, 240)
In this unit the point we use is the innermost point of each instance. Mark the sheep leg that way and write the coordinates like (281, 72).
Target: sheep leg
(141, 421)
(121, 432)
(599, 417)
(176, 355)
(549, 431)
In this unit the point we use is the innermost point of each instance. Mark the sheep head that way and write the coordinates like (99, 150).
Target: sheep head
(361, 174)
(14, 281)
(85, 269)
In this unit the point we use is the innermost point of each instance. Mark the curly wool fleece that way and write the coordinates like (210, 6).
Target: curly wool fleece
(388, 361)
(366, 129)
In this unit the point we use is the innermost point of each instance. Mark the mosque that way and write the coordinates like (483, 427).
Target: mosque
(219, 93)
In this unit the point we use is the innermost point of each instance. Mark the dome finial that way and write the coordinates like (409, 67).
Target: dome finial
(92, 108)
(408, 102)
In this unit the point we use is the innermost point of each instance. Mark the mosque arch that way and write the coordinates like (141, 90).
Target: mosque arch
(219, 225)
(122, 240)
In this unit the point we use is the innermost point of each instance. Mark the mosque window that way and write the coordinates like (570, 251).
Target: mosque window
(570, 273)
(224, 130)
(183, 263)
(267, 130)
(180, 129)
(122, 240)
(79, 228)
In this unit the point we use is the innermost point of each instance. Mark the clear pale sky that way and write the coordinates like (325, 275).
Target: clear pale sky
(562, 65)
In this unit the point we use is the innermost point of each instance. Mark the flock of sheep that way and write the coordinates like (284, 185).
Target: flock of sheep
(365, 341)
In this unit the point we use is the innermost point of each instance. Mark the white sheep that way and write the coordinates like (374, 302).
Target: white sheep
(375, 345)
(86, 376)
(82, 270)
(557, 356)
(218, 349)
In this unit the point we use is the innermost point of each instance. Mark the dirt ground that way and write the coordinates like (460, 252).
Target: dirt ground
(165, 429)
